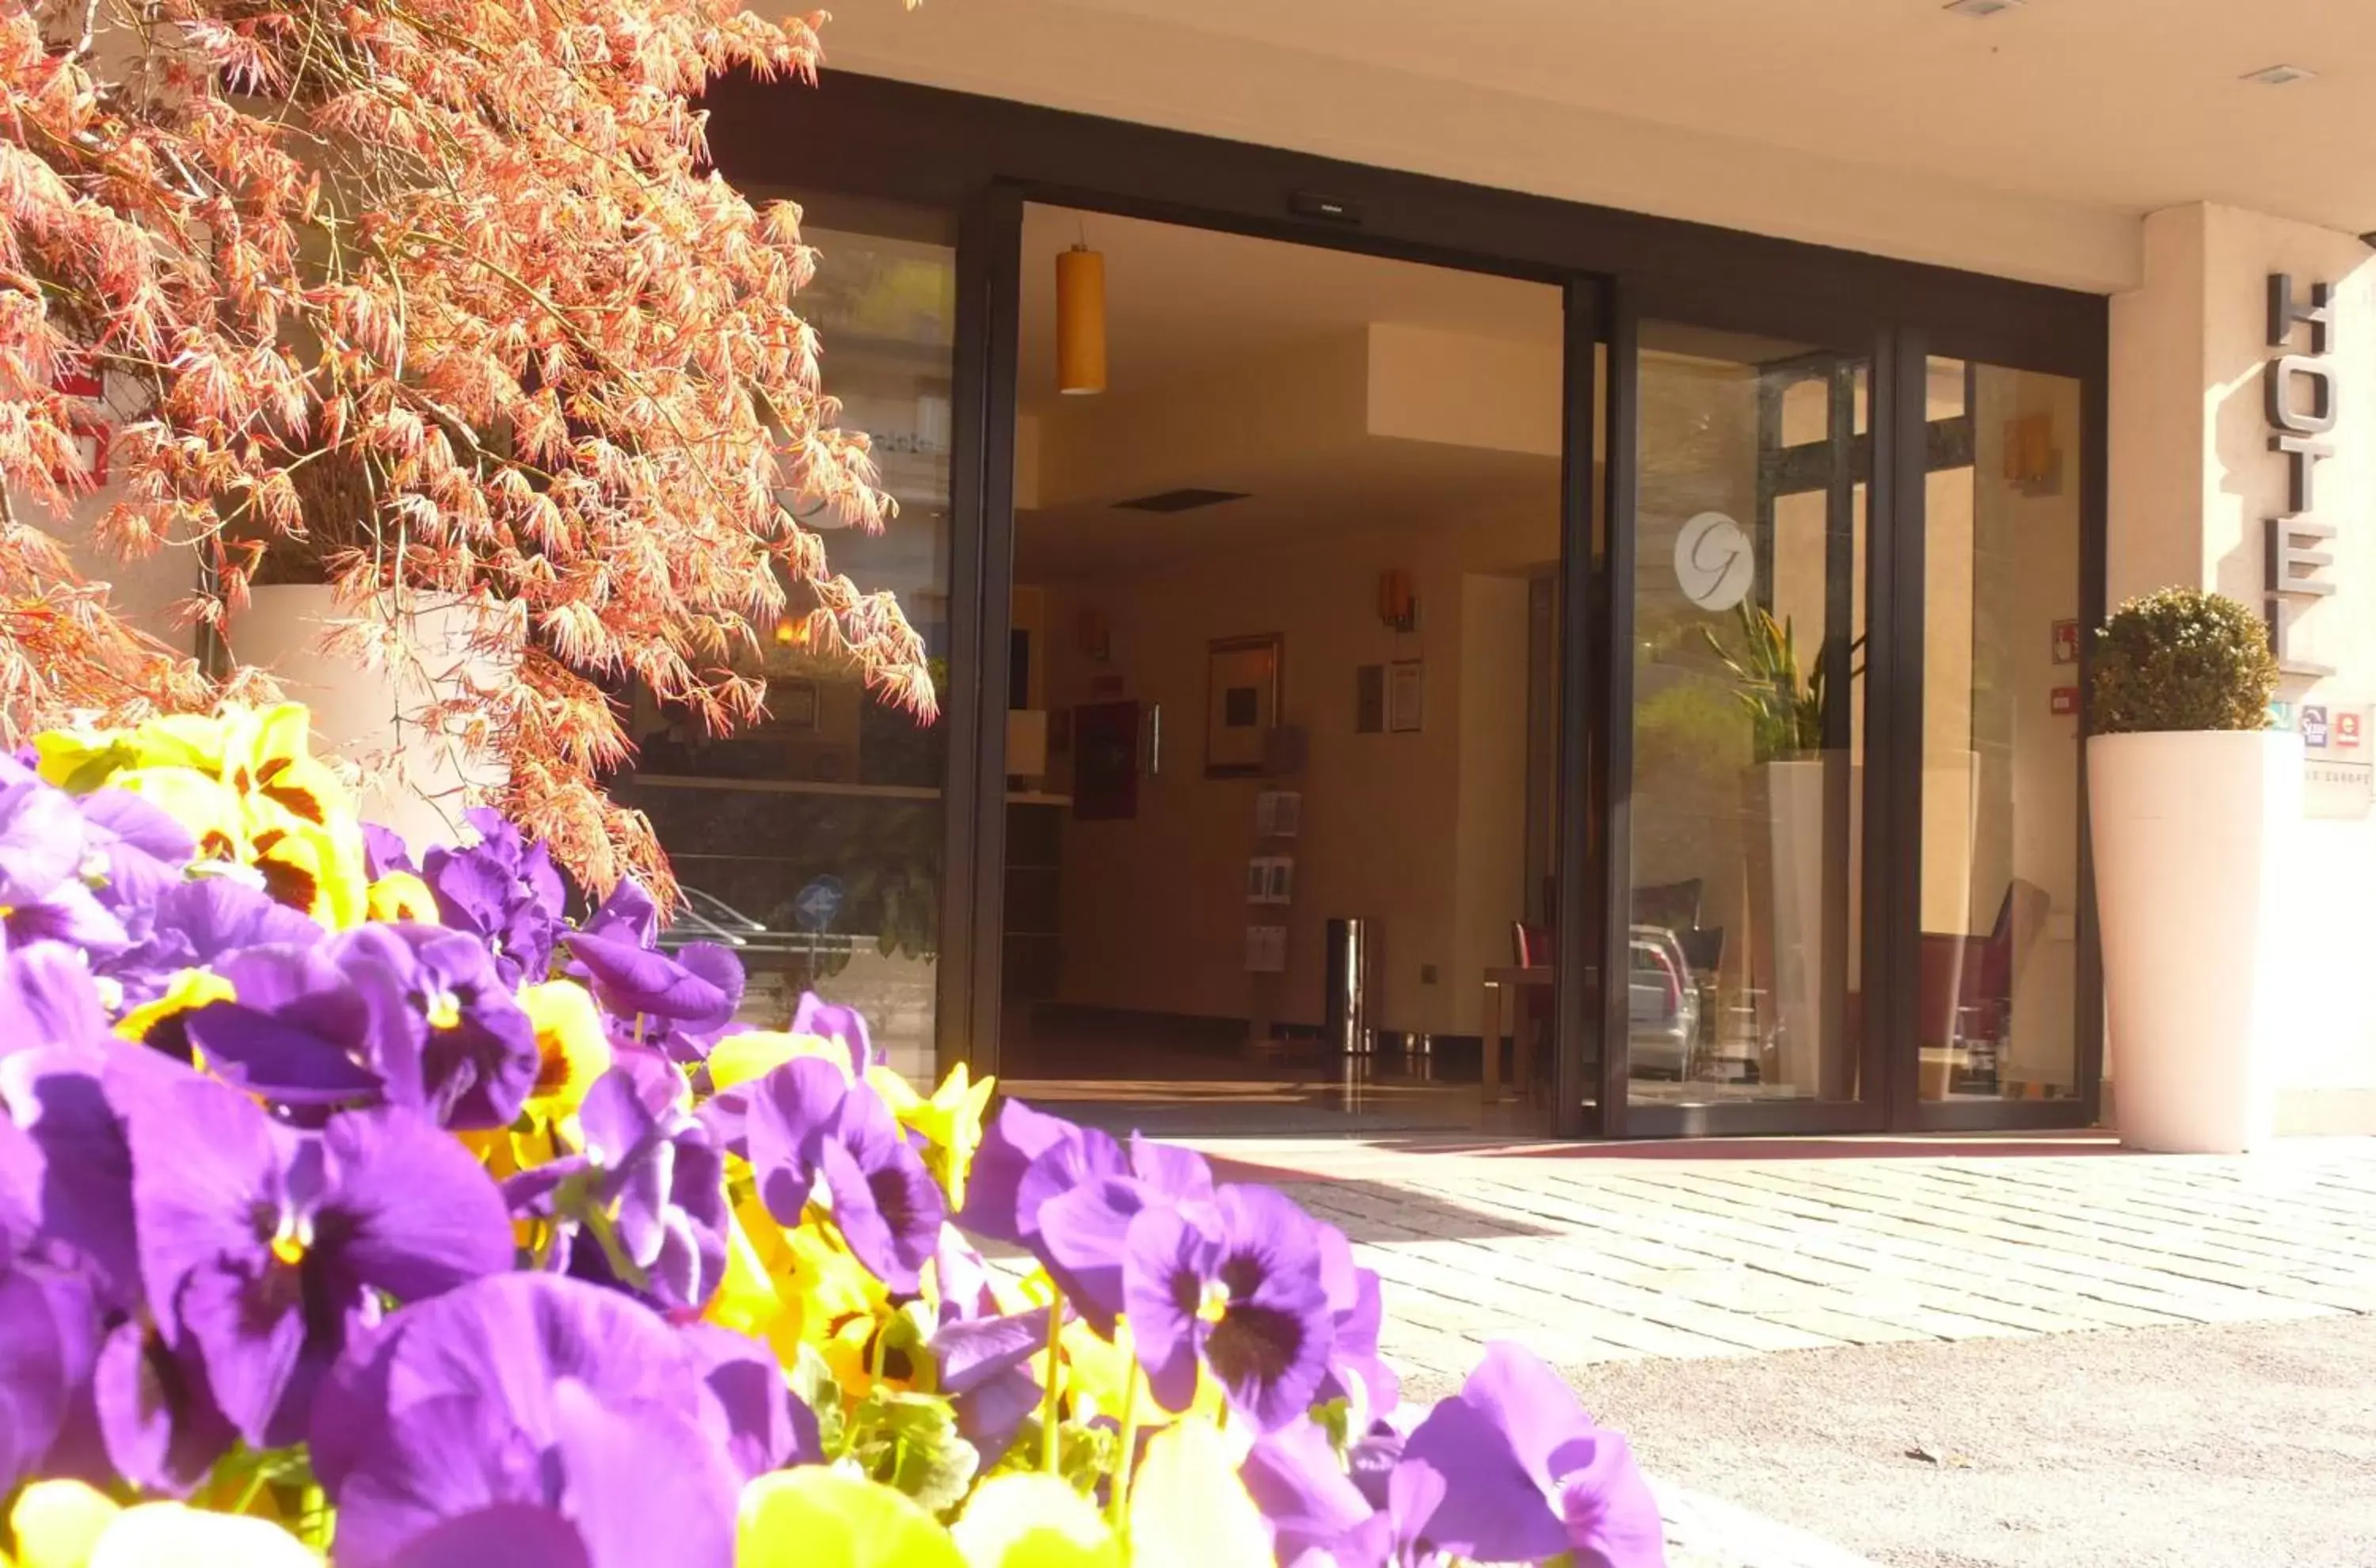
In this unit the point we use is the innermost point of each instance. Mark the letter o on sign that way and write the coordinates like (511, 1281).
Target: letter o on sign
(1714, 564)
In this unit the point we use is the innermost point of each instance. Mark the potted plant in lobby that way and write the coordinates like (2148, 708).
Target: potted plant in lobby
(1791, 783)
(2192, 800)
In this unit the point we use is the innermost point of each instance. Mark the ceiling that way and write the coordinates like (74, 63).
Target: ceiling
(2034, 130)
(1187, 302)
(1187, 306)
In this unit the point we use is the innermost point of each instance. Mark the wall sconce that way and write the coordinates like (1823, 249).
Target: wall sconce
(1397, 606)
(2031, 463)
(1080, 322)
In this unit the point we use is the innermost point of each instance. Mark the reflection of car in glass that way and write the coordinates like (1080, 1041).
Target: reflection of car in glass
(1663, 1006)
(707, 917)
(704, 917)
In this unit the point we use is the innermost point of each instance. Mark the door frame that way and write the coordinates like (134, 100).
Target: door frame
(980, 159)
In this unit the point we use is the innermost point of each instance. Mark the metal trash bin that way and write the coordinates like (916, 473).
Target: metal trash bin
(1344, 1002)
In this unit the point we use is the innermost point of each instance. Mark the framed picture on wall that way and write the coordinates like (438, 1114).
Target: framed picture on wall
(1406, 695)
(1241, 703)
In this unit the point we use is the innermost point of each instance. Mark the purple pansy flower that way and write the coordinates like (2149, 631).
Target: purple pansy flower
(47, 998)
(385, 853)
(678, 1003)
(805, 1122)
(767, 1427)
(982, 1366)
(138, 849)
(1357, 1306)
(1016, 1137)
(657, 1183)
(44, 848)
(192, 924)
(156, 1412)
(409, 1012)
(529, 1420)
(1526, 1475)
(263, 1248)
(1233, 1285)
(1082, 1195)
(478, 1047)
(302, 1030)
(49, 1336)
(502, 889)
(845, 1027)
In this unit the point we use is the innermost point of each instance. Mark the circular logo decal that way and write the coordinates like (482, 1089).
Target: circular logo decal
(1713, 562)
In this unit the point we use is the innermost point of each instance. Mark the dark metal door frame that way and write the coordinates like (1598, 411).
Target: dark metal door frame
(982, 578)
(982, 158)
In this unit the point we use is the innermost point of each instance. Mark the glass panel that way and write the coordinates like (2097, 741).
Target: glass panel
(2000, 735)
(1748, 724)
(1285, 682)
(813, 843)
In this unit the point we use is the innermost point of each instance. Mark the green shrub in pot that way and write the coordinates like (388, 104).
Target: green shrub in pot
(2182, 659)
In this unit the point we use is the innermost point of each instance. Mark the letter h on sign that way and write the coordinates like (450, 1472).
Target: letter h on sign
(2294, 563)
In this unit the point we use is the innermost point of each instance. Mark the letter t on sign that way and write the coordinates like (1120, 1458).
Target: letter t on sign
(2284, 311)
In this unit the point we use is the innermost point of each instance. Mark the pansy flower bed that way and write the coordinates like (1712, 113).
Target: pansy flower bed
(368, 1208)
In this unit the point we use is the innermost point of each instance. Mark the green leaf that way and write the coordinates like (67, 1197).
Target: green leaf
(814, 1382)
(910, 1442)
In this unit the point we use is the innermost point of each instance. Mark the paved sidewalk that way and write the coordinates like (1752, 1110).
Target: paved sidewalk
(1592, 1253)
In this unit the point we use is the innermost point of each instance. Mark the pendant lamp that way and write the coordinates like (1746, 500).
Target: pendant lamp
(1080, 321)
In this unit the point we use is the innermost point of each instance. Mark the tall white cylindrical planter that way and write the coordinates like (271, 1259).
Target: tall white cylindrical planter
(414, 777)
(2193, 834)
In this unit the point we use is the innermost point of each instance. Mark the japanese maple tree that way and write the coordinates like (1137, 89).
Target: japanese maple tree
(441, 296)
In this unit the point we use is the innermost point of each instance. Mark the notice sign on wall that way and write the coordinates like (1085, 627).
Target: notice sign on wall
(2338, 776)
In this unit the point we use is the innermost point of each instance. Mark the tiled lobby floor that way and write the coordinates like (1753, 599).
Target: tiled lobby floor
(1594, 1252)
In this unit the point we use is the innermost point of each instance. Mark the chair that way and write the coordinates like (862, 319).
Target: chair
(1967, 982)
(1530, 948)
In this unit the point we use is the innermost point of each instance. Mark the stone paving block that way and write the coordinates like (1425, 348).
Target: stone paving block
(1636, 1258)
(1849, 1329)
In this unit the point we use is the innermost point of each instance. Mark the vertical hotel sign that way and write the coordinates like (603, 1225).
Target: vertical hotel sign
(2299, 391)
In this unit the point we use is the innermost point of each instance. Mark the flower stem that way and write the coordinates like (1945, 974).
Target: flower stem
(1055, 1380)
(1118, 1505)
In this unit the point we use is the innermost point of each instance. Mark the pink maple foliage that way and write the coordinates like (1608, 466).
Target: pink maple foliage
(439, 300)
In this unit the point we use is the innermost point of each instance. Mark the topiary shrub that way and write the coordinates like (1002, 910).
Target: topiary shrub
(2182, 659)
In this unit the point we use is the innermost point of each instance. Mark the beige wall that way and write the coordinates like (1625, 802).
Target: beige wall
(1421, 834)
(2191, 481)
(1179, 67)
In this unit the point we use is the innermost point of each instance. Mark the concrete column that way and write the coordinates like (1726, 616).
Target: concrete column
(2193, 484)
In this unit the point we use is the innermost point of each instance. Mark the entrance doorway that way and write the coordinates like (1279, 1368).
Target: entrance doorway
(1283, 722)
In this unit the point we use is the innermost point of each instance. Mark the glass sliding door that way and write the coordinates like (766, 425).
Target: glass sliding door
(1747, 793)
(813, 843)
(1998, 952)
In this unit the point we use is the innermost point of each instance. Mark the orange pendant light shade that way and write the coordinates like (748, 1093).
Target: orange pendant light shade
(1080, 322)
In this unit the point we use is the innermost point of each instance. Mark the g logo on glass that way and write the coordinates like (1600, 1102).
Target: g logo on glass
(1713, 565)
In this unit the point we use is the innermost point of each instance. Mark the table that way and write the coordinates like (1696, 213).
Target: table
(1501, 994)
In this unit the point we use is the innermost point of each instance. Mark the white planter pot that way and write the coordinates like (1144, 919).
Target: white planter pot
(2193, 834)
(416, 778)
(1792, 798)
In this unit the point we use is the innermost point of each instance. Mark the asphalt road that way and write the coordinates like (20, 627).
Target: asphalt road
(2227, 1447)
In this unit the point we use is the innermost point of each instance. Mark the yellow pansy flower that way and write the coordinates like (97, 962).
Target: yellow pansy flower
(1188, 1509)
(210, 809)
(1026, 1520)
(56, 1524)
(754, 1053)
(315, 870)
(401, 895)
(949, 1123)
(571, 1049)
(815, 1517)
(268, 752)
(168, 1535)
(186, 992)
